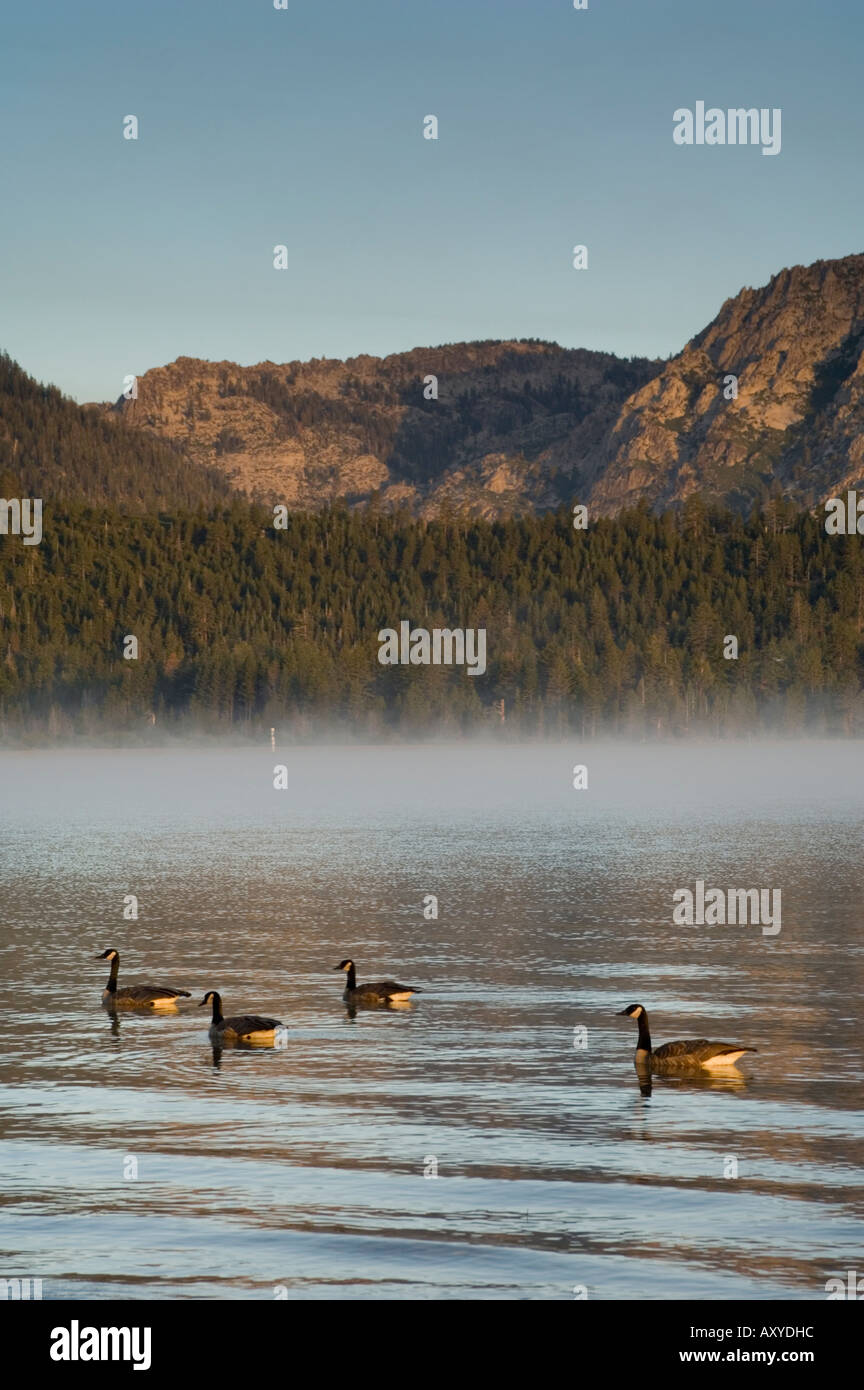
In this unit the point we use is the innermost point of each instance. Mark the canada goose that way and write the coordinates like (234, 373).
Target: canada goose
(243, 1028)
(379, 992)
(678, 1056)
(137, 996)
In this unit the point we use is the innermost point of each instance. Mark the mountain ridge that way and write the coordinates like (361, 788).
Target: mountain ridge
(796, 350)
(498, 439)
(767, 399)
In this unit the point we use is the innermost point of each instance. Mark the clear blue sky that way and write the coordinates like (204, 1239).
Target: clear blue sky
(304, 127)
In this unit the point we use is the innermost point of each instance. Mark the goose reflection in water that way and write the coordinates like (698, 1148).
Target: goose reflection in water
(393, 1006)
(689, 1081)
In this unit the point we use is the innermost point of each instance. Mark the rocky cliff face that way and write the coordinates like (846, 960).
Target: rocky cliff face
(509, 430)
(522, 426)
(796, 350)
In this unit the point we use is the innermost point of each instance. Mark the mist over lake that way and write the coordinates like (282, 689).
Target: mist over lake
(490, 1140)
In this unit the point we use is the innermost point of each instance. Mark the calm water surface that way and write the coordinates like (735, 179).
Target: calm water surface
(305, 1170)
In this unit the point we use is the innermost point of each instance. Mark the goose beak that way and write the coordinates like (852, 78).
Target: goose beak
(337, 967)
(203, 1002)
(622, 1013)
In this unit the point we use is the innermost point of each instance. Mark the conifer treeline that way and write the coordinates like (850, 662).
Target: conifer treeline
(616, 629)
(50, 447)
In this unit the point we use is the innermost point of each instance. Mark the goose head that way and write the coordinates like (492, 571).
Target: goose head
(632, 1011)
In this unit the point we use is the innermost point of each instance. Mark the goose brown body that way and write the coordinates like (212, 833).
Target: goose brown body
(241, 1027)
(137, 996)
(686, 1054)
(374, 992)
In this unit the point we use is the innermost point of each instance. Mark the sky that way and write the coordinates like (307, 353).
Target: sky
(303, 127)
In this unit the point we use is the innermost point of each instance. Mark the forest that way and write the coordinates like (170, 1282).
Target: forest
(619, 629)
(50, 446)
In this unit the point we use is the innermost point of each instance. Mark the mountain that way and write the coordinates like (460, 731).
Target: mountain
(507, 433)
(797, 425)
(522, 426)
(517, 427)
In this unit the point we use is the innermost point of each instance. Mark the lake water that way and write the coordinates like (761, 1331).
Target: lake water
(303, 1172)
